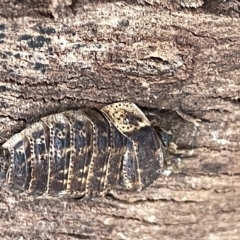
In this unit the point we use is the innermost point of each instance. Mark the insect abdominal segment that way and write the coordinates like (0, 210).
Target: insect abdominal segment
(85, 152)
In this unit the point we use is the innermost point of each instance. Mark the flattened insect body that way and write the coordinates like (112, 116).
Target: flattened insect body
(85, 152)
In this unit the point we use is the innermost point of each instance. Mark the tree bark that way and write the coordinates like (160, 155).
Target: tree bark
(165, 57)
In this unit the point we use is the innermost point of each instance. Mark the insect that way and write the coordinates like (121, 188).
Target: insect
(85, 152)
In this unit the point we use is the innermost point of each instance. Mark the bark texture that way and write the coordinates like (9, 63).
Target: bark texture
(167, 56)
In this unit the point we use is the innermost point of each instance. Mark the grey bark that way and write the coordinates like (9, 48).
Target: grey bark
(159, 54)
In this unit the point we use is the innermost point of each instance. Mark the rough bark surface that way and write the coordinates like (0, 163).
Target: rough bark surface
(166, 56)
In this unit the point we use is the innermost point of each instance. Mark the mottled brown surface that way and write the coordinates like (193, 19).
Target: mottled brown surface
(156, 54)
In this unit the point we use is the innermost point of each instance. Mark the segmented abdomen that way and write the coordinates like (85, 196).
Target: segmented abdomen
(85, 152)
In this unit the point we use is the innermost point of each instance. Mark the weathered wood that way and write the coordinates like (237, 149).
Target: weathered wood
(158, 54)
